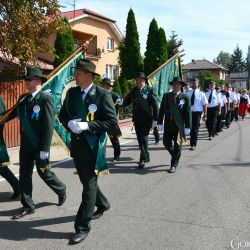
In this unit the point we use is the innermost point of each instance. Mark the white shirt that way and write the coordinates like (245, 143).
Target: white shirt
(87, 89)
(215, 99)
(200, 100)
(34, 94)
(232, 96)
(223, 98)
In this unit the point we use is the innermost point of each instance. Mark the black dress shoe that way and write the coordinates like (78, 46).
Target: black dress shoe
(157, 142)
(15, 196)
(62, 199)
(77, 238)
(116, 158)
(22, 214)
(172, 170)
(98, 213)
(141, 165)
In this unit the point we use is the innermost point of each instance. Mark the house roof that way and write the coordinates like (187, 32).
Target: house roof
(79, 13)
(202, 65)
(82, 13)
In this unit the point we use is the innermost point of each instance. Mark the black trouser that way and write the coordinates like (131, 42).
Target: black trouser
(116, 145)
(11, 178)
(26, 170)
(211, 120)
(91, 195)
(220, 120)
(236, 114)
(170, 143)
(142, 131)
(196, 118)
(156, 135)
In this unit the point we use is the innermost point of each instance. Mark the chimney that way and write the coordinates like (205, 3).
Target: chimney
(193, 61)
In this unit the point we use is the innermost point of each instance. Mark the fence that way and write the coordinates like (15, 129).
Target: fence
(10, 91)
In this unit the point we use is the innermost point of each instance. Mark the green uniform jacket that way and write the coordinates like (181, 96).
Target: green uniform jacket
(184, 108)
(42, 124)
(139, 114)
(105, 119)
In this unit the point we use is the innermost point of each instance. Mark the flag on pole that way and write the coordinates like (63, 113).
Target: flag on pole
(160, 78)
(59, 81)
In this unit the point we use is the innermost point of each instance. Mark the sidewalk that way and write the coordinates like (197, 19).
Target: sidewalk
(58, 153)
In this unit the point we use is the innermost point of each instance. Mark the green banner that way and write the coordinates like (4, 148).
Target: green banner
(57, 86)
(160, 78)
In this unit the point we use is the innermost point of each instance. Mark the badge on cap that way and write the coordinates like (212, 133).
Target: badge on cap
(92, 108)
(36, 109)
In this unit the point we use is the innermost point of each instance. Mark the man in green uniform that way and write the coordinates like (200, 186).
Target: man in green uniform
(145, 113)
(36, 112)
(176, 109)
(107, 84)
(88, 112)
(5, 172)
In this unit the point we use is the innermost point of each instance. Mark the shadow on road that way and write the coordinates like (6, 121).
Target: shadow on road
(115, 169)
(24, 230)
(12, 212)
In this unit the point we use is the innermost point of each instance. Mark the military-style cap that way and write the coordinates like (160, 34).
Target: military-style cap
(212, 83)
(228, 85)
(86, 65)
(141, 74)
(196, 80)
(35, 72)
(177, 79)
(107, 81)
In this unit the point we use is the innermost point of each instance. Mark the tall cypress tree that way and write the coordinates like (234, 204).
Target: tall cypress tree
(129, 50)
(237, 63)
(174, 44)
(64, 44)
(151, 60)
(162, 50)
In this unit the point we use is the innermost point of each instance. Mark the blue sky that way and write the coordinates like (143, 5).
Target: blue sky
(206, 26)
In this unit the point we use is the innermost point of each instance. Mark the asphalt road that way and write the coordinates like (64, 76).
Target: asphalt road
(204, 205)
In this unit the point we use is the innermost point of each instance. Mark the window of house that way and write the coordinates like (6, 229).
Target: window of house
(192, 74)
(110, 44)
(111, 72)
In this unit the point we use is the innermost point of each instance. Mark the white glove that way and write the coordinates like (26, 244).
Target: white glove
(154, 124)
(186, 131)
(72, 124)
(81, 126)
(119, 101)
(44, 155)
(160, 127)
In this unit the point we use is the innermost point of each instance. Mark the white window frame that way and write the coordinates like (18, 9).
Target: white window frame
(111, 71)
(110, 44)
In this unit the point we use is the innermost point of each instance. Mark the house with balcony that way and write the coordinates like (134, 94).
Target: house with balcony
(192, 69)
(239, 80)
(102, 49)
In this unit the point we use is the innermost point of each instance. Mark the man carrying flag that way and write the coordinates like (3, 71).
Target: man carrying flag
(145, 113)
(36, 112)
(88, 112)
(176, 111)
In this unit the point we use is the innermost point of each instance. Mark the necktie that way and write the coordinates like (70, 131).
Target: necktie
(29, 98)
(210, 97)
(83, 95)
(192, 98)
